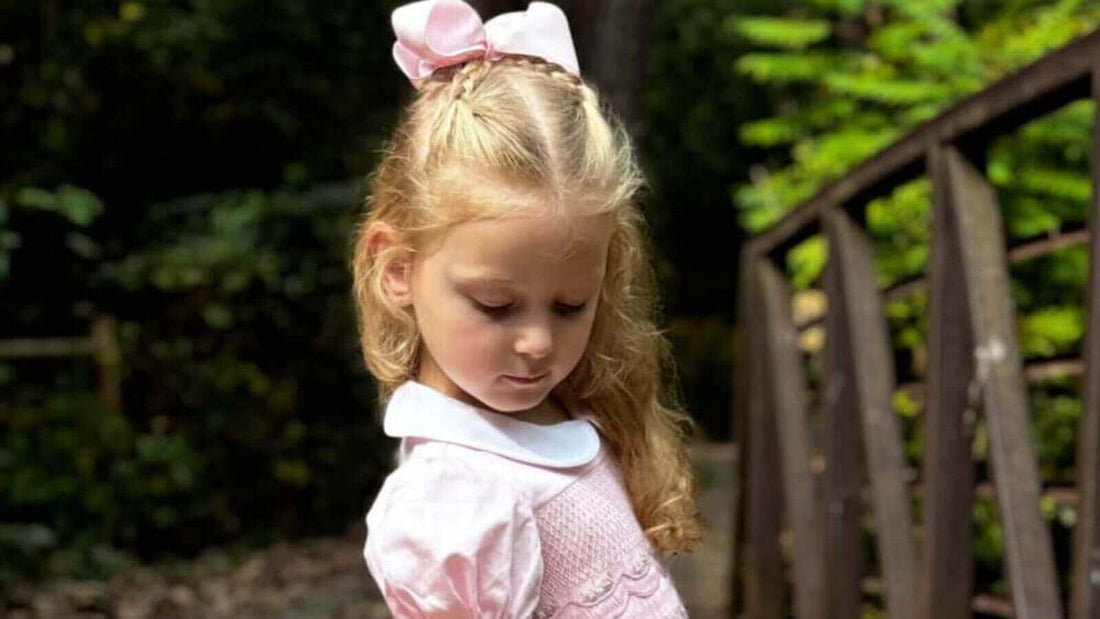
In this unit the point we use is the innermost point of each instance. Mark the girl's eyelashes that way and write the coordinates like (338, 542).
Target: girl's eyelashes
(495, 311)
(499, 311)
(566, 310)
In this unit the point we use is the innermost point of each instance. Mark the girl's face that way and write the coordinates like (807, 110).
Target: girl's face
(505, 307)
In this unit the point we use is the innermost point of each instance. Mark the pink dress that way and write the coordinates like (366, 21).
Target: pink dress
(490, 516)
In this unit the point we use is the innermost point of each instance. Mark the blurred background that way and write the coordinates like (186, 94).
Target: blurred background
(186, 426)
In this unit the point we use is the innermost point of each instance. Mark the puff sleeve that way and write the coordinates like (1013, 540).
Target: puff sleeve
(447, 542)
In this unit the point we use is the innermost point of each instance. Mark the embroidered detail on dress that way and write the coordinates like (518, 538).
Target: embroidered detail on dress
(598, 563)
(600, 588)
(594, 591)
(586, 529)
(546, 609)
(634, 592)
(641, 564)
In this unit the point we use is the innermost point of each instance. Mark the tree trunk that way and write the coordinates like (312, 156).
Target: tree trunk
(612, 38)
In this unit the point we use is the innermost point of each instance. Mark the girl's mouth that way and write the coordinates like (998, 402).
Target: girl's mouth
(529, 380)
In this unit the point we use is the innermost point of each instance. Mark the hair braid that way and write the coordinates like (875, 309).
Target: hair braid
(551, 70)
(467, 78)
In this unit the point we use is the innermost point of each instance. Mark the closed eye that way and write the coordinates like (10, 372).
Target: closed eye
(566, 310)
(495, 311)
(499, 311)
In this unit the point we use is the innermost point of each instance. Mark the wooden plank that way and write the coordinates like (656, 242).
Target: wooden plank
(1032, 249)
(870, 374)
(739, 417)
(998, 370)
(1086, 559)
(108, 356)
(1034, 372)
(1042, 87)
(786, 384)
(1042, 371)
(947, 580)
(763, 565)
(1059, 495)
(842, 448)
(1022, 252)
(43, 348)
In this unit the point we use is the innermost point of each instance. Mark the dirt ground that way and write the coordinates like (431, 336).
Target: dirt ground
(327, 578)
(313, 578)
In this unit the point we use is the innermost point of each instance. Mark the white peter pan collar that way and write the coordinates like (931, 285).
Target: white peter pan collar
(417, 410)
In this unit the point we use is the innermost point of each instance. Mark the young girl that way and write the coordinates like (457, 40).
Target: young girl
(506, 309)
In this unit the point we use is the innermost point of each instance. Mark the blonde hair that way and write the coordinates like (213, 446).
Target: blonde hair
(541, 128)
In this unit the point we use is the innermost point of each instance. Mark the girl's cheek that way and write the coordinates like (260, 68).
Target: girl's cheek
(468, 318)
(458, 310)
(471, 327)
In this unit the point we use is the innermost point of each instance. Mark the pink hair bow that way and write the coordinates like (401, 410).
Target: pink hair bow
(437, 33)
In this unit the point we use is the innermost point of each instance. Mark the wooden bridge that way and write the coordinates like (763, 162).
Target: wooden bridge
(974, 368)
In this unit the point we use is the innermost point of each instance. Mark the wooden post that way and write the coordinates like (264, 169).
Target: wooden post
(739, 431)
(108, 356)
(101, 344)
(866, 371)
(786, 385)
(950, 412)
(44, 348)
(976, 218)
(1086, 559)
(842, 479)
(763, 567)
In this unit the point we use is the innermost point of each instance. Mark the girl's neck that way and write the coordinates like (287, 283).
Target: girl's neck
(548, 412)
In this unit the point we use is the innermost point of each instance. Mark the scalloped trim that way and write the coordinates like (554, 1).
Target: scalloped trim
(599, 596)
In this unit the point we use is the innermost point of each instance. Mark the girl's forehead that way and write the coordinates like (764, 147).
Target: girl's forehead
(523, 243)
(466, 192)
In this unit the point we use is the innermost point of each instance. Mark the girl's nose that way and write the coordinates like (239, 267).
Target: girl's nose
(534, 341)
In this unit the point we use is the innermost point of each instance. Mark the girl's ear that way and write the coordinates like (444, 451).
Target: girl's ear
(397, 277)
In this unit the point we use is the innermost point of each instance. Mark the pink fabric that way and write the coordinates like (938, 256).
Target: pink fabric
(597, 562)
(437, 33)
(444, 540)
(507, 519)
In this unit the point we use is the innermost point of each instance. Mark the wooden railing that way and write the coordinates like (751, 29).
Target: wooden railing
(974, 368)
(101, 345)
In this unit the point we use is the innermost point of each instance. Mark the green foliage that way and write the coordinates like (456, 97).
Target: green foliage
(74, 209)
(806, 261)
(693, 105)
(78, 206)
(169, 165)
(1063, 274)
(785, 68)
(989, 544)
(225, 283)
(908, 321)
(900, 225)
(908, 68)
(1055, 416)
(781, 32)
(1053, 330)
(232, 290)
(76, 481)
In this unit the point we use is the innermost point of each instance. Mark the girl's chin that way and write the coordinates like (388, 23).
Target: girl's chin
(514, 399)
